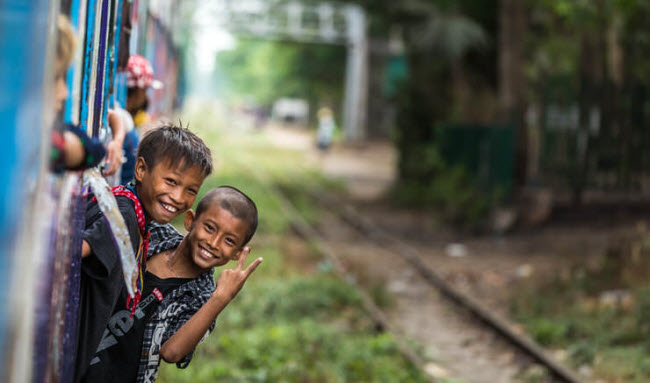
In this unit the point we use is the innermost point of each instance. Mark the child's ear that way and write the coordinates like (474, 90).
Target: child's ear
(189, 219)
(140, 169)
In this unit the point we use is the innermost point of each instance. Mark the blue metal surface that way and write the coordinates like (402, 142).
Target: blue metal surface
(120, 88)
(101, 66)
(23, 37)
(74, 20)
(87, 65)
(115, 52)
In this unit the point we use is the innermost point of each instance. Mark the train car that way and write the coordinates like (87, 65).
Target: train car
(41, 213)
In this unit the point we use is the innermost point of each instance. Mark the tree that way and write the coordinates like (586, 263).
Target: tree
(512, 27)
(437, 36)
(268, 70)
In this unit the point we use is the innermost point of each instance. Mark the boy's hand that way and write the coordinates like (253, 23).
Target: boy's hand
(190, 334)
(113, 158)
(114, 148)
(232, 280)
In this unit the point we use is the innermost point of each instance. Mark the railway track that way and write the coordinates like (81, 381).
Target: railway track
(347, 214)
(309, 234)
(500, 326)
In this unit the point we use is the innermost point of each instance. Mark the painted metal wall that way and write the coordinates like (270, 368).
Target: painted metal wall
(41, 213)
(25, 44)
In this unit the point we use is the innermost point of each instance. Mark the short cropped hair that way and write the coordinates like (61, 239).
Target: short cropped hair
(177, 145)
(65, 42)
(234, 201)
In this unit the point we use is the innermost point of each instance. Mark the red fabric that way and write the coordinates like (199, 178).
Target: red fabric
(139, 72)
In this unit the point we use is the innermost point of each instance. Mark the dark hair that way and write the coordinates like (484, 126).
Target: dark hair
(234, 201)
(177, 145)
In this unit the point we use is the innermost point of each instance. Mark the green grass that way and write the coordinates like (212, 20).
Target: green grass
(288, 324)
(613, 340)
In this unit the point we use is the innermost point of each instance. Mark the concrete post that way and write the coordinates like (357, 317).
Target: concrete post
(356, 76)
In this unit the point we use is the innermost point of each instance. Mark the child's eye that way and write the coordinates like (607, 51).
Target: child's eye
(230, 241)
(209, 227)
(170, 181)
(192, 191)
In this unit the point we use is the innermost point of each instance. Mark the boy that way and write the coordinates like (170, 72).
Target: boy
(180, 304)
(171, 166)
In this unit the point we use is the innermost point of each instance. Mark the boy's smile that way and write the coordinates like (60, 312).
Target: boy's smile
(167, 190)
(216, 237)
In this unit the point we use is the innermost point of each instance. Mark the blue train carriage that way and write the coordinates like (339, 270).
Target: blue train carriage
(41, 213)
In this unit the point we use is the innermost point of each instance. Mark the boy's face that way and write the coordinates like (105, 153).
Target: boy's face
(166, 190)
(216, 236)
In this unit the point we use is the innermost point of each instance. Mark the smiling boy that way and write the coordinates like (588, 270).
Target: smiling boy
(180, 302)
(171, 166)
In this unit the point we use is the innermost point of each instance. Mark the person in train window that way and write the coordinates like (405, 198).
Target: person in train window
(139, 79)
(171, 166)
(180, 302)
(71, 148)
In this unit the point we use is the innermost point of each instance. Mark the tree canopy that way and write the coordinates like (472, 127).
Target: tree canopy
(267, 70)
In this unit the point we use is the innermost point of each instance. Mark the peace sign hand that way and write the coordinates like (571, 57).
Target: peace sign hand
(232, 280)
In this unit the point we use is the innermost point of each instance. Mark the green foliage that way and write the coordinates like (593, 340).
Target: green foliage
(315, 297)
(582, 352)
(570, 313)
(461, 201)
(449, 190)
(381, 296)
(266, 71)
(302, 351)
(534, 374)
(643, 313)
(547, 332)
(296, 330)
(425, 180)
(629, 364)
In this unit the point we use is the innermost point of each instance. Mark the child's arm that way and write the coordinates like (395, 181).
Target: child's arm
(75, 153)
(85, 249)
(72, 149)
(114, 148)
(189, 335)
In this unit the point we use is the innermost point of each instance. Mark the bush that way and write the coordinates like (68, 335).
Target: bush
(582, 353)
(449, 191)
(547, 332)
(643, 314)
(613, 340)
(299, 330)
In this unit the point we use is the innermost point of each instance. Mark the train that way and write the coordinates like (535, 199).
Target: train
(41, 213)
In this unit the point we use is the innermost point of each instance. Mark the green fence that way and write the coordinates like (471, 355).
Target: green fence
(485, 151)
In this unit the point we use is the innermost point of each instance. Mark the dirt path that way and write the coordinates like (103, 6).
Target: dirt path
(367, 170)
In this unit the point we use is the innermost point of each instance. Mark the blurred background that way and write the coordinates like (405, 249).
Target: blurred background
(400, 153)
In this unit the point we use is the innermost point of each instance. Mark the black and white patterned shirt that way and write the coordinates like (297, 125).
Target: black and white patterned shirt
(175, 309)
(163, 237)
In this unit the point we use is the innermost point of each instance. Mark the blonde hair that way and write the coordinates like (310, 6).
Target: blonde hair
(66, 41)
